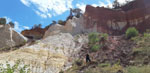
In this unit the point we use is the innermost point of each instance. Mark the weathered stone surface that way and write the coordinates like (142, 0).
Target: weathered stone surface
(10, 38)
(54, 29)
(49, 55)
(73, 26)
(117, 21)
(36, 33)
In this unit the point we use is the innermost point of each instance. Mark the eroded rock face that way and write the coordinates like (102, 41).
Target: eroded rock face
(54, 29)
(73, 26)
(36, 33)
(49, 55)
(10, 38)
(117, 21)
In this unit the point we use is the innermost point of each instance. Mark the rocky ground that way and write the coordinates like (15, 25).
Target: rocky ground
(119, 56)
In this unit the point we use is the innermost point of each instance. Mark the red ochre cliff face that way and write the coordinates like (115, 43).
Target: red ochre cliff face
(36, 33)
(116, 21)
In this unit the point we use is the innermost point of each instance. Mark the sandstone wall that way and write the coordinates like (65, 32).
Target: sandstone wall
(117, 21)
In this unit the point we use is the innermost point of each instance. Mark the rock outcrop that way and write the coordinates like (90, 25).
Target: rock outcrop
(116, 21)
(36, 33)
(50, 55)
(73, 26)
(10, 38)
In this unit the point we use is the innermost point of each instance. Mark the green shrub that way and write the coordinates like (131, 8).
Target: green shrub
(104, 35)
(11, 24)
(93, 38)
(95, 47)
(94, 41)
(2, 21)
(136, 69)
(131, 32)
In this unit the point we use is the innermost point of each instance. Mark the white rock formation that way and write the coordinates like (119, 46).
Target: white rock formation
(73, 26)
(49, 55)
(10, 38)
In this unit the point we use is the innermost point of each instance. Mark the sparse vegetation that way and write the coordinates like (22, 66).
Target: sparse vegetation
(2, 21)
(94, 41)
(11, 24)
(95, 47)
(16, 68)
(104, 36)
(131, 32)
(141, 51)
(61, 22)
(136, 69)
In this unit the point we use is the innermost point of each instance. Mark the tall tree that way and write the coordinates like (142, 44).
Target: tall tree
(2, 21)
(11, 24)
(116, 4)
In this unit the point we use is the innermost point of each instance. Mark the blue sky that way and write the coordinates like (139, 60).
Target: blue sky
(26, 13)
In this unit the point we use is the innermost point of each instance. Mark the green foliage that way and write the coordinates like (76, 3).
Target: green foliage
(93, 38)
(116, 4)
(112, 69)
(104, 35)
(94, 41)
(95, 47)
(131, 32)
(142, 49)
(37, 26)
(61, 22)
(2, 21)
(136, 69)
(104, 65)
(11, 24)
(16, 68)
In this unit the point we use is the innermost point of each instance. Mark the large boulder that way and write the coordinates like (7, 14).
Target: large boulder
(10, 38)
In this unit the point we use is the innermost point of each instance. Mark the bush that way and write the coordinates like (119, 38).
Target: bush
(95, 47)
(131, 32)
(104, 35)
(93, 38)
(11, 24)
(61, 22)
(94, 41)
(2, 21)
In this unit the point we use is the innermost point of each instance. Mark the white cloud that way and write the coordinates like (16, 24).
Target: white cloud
(25, 2)
(48, 8)
(107, 4)
(26, 27)
(82, 6)
(123, 1)
(40, 14)
(7, 19)
(17, 27)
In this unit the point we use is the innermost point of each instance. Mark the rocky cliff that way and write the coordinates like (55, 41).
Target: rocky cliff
(116, 21)
(10, 38)
(50, 55)
(36, 33)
